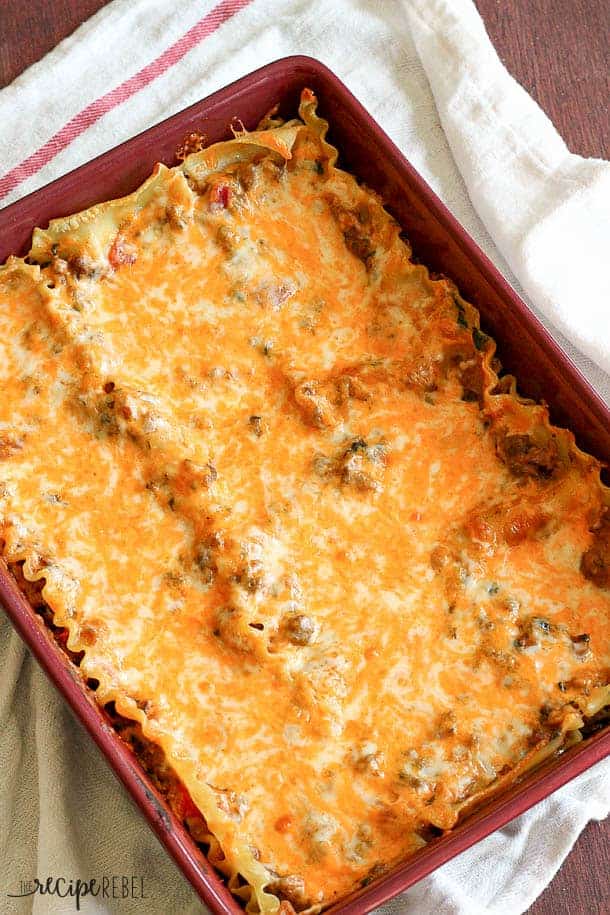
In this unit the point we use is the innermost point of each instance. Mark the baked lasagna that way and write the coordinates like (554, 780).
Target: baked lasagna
(335, 578)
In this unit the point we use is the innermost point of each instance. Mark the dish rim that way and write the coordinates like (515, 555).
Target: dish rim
(35, 209)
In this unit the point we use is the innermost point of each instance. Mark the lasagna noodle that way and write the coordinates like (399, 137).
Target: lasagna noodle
(345, 578)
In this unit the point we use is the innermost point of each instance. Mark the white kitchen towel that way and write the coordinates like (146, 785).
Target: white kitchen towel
(427, 72)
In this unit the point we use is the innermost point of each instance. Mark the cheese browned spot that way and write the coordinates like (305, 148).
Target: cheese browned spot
(343, 578)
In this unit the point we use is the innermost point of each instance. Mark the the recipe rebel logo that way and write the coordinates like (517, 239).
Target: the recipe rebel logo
(107, 886)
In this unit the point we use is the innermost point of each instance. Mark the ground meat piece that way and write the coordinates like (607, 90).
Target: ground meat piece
(176, 216)
(9, 446)
(349, 386)
(365, 758)
(122, 252)
(256, 425)
(580, 645)
(206, 557)
(291, 889)
(228, 627)
(228, 239)
(357, 229)
(273, 295)
(473, 380)
(233, 804)
(315, 407)
(359, 244)
(299, 629)
(354, 474)
(252, 576)
(362, 465)
(447, 724)
(595, 562)
(526, 457)
(423, 377)
(323, 466)
(84, 266)
(441, 557)
(378, 870)
(523, 524)
(490, 526)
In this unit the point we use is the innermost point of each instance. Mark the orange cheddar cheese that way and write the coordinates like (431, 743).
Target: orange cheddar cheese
(343, 576)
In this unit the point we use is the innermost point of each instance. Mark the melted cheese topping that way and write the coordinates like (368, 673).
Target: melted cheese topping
(345, 579)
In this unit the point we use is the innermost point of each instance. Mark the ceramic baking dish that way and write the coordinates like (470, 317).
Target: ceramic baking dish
(526, 349)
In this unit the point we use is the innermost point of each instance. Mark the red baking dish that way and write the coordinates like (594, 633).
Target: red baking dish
(526, 349)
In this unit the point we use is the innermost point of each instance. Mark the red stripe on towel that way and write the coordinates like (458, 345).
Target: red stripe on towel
(221, 13)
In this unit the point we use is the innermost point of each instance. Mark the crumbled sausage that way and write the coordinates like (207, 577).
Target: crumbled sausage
(354, 475)
(314, 405)
(290, 888)
(523, 524)
(350, 386)
(356, 227)
(531, 630)
(441, 556)
(500, 658)
(232, 804)
(300, 629)
(473, 380)
(423, 377)
(256, 425)
(9, 446)
(228, 239)
(496, 524)
(122, 252)
(359, 244)
(84, 266)
(228, 628)
(205, 558)
(252, 575)
(580, 644)
(176, 216)
(595, 562)
(361, 465)
(323, 466)
(376, 871)
(273, 295)
(526, 457)
(447, 724)
(365, 758)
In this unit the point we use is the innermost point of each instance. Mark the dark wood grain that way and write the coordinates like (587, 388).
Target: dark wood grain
(582, 886)
(558, 50)
(29, 30)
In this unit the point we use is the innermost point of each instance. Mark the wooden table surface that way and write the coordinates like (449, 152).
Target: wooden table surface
(557, 49)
